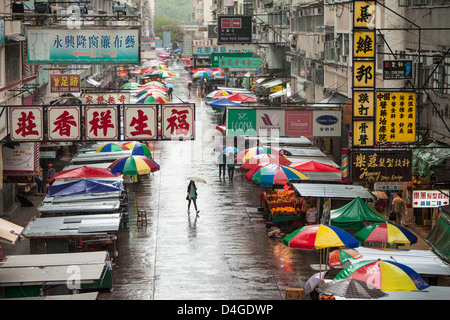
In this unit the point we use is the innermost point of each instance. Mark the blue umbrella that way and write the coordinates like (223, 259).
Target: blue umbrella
(177, 50)
(169, 85)
(222, 103)
(230, 150)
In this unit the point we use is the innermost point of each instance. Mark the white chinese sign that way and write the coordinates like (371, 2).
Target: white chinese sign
(20, 159)
(430, 198)
(26, 123)
(108, 98)
(327, 123)
(177, 122)
(64, 123)
(101, 123)
(140, 122)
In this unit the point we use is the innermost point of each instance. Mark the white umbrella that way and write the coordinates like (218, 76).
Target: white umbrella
(196, 179)
(313, 282)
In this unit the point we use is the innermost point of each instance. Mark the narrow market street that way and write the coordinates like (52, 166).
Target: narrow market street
(224, 253)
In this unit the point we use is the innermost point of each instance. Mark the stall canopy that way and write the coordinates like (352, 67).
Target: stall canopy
(353, 214)
(85, 186)
(84, 172)
(332, 191)
(439, 237)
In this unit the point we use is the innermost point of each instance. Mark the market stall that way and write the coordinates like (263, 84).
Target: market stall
(47, 274)
(98, 232)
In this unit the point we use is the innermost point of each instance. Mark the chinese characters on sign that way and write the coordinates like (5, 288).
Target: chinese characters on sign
(396, 117)
(65, 83)
(101, 123)
(87, 45)
(109, 98)
(430, 198)
(64, 123)
(383, 166)
(140, 123)
(397, 70)
(364, 73)
(177, 122)
(26, 123)
(242, 63)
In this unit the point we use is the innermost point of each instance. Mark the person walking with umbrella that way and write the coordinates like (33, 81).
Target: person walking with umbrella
(398, 206)
(192, 196)
(222, 161)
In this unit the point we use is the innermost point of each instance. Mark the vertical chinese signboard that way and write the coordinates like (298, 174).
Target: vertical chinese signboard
(364, 73)
(177, 121)
(101, 123)
(140, 122)
(396, 117)
(26, 123)
(64, 123)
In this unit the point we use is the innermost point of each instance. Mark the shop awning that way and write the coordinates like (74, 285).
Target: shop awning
(439, 236)
(272, 83)
(15, 37)
(332, 191)
(332, 102)
(284, 92)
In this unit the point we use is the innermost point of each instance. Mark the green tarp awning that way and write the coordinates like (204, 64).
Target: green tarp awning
(431, 155)
(439, 237)
(352, 215)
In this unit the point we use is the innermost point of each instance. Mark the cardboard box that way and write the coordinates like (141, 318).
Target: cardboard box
(294, 294)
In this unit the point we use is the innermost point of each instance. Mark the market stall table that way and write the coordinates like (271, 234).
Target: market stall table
(97, 232)
(46, 274)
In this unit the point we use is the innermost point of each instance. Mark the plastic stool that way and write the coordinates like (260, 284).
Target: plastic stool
(142, 217)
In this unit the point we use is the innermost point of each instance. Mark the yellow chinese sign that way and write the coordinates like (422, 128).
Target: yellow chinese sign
(396, 117)
(363, 74)
(363, 104)
(65, 83)
(364, 44)
(364, 14)
(363, 133)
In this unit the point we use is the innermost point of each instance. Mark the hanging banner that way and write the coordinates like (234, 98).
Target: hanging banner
(101, 123)
(327, 123)
(363, 74)
(86, 45)
(270, 121)
(26, 123)
(363, 104)
(383, 166)
(363, 133)
(241, 122)
(140, 122)
(364, 44)
(396, 117)
(364, 14)
(298, 123)
(430, 198)
(64, 123)
(178, 121)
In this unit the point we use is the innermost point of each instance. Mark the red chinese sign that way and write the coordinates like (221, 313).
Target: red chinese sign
(64, 123)
(65, 83)
(101, 123)
(26, 123)
(177, 122)
(140, 122)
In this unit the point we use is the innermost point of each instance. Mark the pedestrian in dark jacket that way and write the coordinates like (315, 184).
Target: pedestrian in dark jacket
(192, 196)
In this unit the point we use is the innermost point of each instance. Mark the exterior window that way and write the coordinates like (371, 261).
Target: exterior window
(13, 55)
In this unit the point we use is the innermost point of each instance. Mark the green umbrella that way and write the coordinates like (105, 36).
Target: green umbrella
(130, 85)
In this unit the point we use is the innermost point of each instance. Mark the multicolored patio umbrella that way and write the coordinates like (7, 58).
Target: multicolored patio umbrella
(250, 152)
(163, 74)
(130, 85)
(150, 91)
(319, 236)
(265, 159)
(277, 174)
(141, 149)
(221, 104)
(202, 74)
(385, 275)
(152, 83)
(152, 99)
(84, 172)
(386, 233)
(217, 74)
(110, 147)
(133, 165)
(217, 94)
(339, 256)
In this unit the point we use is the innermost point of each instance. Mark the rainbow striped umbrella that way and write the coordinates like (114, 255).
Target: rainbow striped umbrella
(319, 236)
(386, 233)
(133, 165)
(163, 74)
(110, 147)
(152, 99)
(202, 74)
(277, 174)
(385, 275)
(339, 256)
(250, 152)
(140, 149)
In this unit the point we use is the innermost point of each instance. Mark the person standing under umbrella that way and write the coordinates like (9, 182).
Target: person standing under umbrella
(222, 160)
(169, 92)
(192, 196)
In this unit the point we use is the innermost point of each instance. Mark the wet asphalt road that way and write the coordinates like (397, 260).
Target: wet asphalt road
(225, 253)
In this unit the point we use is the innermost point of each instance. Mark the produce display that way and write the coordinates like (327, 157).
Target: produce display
(281, 204)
